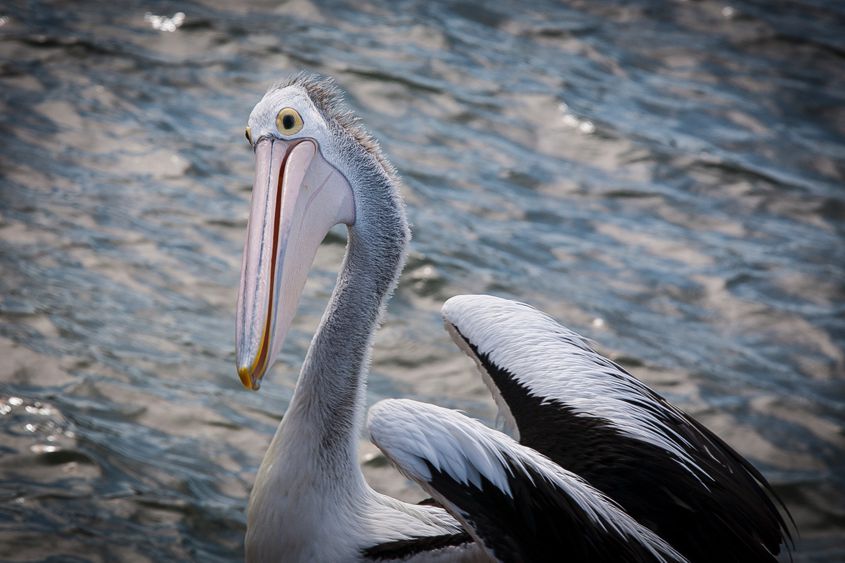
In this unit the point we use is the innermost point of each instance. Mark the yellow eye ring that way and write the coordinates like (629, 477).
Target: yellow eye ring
(288, 121)
(248, 134)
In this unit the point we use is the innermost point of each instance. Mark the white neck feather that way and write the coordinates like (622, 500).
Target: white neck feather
(310, 500)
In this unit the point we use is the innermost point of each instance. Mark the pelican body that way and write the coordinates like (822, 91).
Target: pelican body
(602, 468)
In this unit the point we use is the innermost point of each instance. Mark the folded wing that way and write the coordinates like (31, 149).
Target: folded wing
(593, 418)
(513, 501)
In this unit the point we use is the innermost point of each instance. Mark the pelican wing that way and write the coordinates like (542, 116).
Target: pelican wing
(516, 503)
(593, 418)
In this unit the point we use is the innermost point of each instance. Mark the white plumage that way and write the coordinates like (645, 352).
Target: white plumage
(558, 364)
(414, 434)
(498, 498)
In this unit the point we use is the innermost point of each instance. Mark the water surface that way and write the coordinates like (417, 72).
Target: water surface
(663, 177)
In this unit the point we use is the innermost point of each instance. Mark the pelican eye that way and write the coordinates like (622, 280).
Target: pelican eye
(248, 135)
(288, 121)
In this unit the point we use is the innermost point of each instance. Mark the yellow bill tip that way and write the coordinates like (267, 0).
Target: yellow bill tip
(246, 379)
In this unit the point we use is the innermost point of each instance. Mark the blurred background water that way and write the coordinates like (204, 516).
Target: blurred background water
(664, 177)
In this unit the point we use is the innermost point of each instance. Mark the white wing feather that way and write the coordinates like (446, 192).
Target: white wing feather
(414, 434)
(555, 363)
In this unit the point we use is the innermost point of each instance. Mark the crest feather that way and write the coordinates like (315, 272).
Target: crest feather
(328, 99)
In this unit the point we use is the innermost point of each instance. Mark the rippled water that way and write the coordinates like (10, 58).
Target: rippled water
(664, 177)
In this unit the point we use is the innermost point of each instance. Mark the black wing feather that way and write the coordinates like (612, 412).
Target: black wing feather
(398, 550)
(731, 518)
(538, 523)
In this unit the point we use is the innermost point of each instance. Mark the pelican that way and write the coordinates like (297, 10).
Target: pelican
(600, 468)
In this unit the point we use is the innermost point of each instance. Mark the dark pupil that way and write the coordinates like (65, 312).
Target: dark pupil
(288, 121)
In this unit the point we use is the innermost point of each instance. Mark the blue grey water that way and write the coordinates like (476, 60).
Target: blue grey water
(663, 177)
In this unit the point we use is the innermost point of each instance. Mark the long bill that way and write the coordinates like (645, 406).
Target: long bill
(296, 198)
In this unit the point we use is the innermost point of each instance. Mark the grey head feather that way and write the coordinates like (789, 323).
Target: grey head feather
(328, 99)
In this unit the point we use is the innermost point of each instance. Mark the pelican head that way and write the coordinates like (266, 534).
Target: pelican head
(312, 161)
